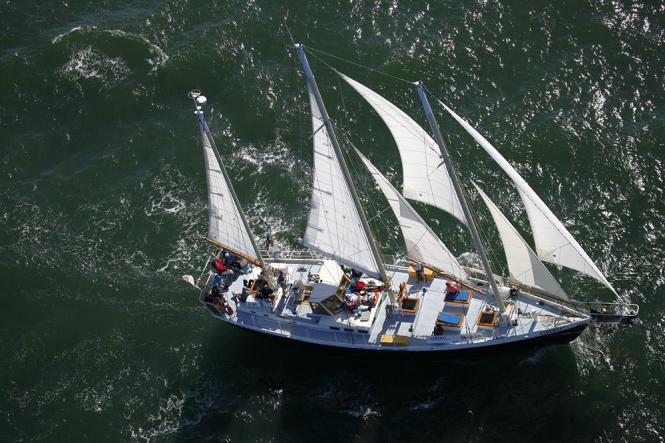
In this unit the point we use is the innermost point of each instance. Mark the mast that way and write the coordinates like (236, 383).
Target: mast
(340, 156)
(460, 195)
(199, 101)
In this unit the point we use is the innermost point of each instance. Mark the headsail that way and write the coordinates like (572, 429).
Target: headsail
(523, 264)
(421, 243)
(226, 225)
(334, 227)
(554, 243)
(425, 177)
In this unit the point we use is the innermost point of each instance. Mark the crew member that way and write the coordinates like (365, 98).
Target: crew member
(420, 272)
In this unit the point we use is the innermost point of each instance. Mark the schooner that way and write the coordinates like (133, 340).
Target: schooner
(340, 293)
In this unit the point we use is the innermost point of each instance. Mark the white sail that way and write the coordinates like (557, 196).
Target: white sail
(421, 243)
(426, 178)
(523, 263)
(225, 224)
(334, 227)
(554, 243)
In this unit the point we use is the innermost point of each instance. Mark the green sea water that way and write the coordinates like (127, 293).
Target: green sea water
(103, 201)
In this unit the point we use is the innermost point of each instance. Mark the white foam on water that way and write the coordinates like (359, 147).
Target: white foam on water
(86, 244)
(266, 217)
(278, 155)
(165, 421)
(172, 197)
(166, 203)
(364, 412)
(185, 255)
(75, 29)
(158, 56)
(88, 63)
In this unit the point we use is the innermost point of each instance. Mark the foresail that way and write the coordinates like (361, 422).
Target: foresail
(225, 225)
(554, 243)
(523, 264)
(421, 243)
(426, 178)
(334, 227)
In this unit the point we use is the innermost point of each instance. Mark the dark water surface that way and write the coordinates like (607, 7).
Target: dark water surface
(102, 201)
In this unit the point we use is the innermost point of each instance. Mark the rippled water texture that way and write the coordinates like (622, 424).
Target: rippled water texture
(102, 201)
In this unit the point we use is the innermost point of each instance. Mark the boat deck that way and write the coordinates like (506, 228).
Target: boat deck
(386, 327)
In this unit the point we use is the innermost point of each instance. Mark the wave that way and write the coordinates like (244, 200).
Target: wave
(59, 37)
(157, 56)
(160, 55)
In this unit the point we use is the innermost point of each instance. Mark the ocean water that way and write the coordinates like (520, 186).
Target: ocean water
(102, 202)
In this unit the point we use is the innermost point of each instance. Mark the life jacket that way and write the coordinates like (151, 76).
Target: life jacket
(218, 265)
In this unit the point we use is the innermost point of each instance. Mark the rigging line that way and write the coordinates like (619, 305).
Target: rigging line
(394, 77)
(286, 26)
(379, 213)
(433, 95)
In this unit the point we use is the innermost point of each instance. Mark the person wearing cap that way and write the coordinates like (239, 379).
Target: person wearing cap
(420, 271)
(273, 250)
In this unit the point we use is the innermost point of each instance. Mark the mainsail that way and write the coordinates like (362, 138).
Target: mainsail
(334, 227)
(554, 243)
(225, 225)
(421, 243)
(523, 263)
(425, 177)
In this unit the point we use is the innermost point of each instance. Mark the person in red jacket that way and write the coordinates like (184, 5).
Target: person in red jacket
(218, 266)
